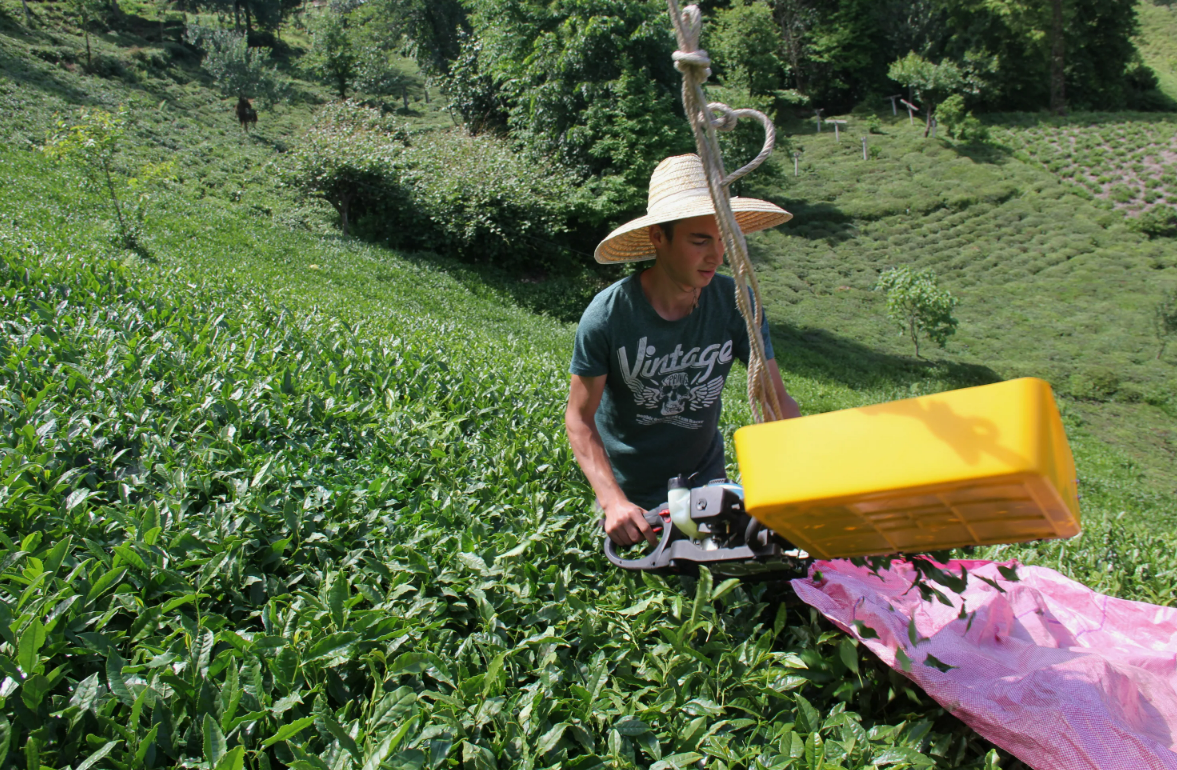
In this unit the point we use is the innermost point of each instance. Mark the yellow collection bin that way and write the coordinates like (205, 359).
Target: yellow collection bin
(975, 466)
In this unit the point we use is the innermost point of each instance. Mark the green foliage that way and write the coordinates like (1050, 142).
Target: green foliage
(918, 305)
(1165, 319)
(959, 122)
(238, 70)
(91, 142)
(433, 29)
(471, 196)
(1157, 222)
(744, 40)
(377, 76)
(348, 157)
(932, 83)
(590, 84)
(334, 57)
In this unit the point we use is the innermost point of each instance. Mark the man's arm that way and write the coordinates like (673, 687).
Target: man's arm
(625, 523)
(788, 405)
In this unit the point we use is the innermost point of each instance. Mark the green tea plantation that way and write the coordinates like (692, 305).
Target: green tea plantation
(272, 497)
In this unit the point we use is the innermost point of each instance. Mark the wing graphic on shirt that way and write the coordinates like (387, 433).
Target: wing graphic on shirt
(644, 396)
(705, 395)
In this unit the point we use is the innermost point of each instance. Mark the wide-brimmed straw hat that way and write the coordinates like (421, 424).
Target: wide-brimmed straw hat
(678, 190)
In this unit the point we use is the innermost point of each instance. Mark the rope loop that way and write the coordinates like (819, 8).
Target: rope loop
(727, 120)
(694, 65)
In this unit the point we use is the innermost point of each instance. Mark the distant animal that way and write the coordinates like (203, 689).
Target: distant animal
(246, 114)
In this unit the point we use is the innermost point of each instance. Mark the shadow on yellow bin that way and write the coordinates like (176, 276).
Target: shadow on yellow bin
(976, 466)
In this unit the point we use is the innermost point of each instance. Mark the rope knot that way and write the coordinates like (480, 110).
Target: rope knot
(699, 61)
(723, 117)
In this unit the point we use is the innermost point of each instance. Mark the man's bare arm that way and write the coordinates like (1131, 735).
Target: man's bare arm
(625, 522)
(788, 405)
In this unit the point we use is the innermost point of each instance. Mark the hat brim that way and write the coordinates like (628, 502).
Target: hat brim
(631, 241)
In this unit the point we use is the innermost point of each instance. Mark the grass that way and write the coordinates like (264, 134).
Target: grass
(1158, 42)
(272, 496)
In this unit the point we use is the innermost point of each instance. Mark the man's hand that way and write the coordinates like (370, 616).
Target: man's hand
(626, 524)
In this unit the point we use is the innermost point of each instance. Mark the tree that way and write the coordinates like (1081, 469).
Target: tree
(92, 142)
(86, 11)
(346, 158)
(377, 76)
(333, 56)
(432, 29)
(932, 83)
(958, 122)
(590, 84)
(917, 304)
(238, 70)
(1165, 319)
(743, 41)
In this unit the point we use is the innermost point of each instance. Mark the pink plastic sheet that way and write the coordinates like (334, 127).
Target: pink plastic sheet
(1059, 676)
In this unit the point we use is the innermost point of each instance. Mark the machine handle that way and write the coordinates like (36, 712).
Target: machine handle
(650, 560)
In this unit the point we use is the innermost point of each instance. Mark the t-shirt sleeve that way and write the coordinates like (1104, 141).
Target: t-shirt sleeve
(590, 351)
(743, 346)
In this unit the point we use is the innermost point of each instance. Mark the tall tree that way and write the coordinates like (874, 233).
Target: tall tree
(432, 30)
(590, 83)
(1058, 75)
(334, 56)
(744, 41)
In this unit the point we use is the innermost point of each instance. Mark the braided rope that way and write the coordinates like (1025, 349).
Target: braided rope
(695, 66)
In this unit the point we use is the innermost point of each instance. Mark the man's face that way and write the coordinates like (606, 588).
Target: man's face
(690, 259)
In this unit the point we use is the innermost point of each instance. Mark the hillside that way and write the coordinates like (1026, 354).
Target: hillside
(1052, 280)
(1158, 42)
(299, 499)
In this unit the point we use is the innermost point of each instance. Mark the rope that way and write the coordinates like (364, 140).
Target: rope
(705, 119)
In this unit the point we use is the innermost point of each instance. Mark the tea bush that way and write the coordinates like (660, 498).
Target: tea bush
(471, 196)
(276, 497)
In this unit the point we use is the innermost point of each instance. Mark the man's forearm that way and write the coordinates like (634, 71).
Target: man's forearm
(589, 451)
(789, 407)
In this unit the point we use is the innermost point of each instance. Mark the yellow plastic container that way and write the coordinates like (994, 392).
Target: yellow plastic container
(975, 466)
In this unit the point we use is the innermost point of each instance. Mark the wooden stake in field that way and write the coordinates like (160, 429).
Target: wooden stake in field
(796, 163)
(911, 110)
(818, 114)
(894, 109)
(837, 136)
(864, 147)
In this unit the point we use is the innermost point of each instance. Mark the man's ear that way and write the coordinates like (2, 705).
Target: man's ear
(657, 236)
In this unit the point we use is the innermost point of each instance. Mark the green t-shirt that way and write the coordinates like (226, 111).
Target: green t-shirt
(659, 414)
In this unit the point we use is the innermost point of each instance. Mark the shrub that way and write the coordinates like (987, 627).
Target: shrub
(918, 305)
(445, 191)
(1165, 319)
(484, 202)
(1096, 383)
(1158, 222)
(1121, 193)
(349, 158)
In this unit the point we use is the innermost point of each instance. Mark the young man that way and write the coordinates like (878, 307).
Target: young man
(653, 351)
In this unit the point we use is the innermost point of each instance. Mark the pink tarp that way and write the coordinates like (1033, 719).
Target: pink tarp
(1059, 676)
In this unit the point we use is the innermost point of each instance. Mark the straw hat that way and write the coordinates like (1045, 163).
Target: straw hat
(678, 190)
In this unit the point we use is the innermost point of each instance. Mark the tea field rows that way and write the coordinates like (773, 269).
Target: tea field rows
(286, 515)
(1052, 282)
(271, 497)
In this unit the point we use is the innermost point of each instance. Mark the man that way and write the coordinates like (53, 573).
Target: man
(653, 351)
